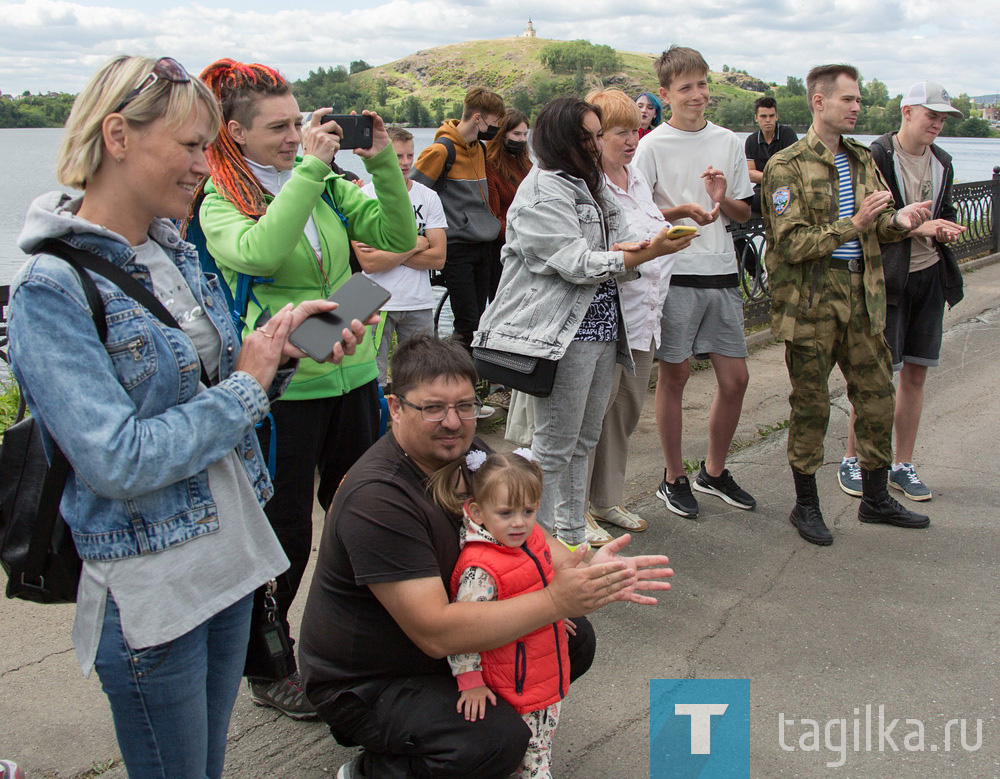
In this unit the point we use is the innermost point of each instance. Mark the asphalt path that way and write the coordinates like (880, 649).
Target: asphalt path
(903, 619)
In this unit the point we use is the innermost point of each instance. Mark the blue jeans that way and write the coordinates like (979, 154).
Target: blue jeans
(172, 702)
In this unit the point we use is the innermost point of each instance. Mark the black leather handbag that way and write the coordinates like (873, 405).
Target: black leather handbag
(532, 375)
(36, 546)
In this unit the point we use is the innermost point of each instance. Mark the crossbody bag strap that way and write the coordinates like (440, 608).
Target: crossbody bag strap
(124, 281)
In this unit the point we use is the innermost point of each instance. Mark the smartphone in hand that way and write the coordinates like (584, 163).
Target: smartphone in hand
(357, 130)
(357, 298)
(681, 231)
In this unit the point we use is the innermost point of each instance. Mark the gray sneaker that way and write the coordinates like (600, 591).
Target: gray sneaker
(286, 695)
(849, 476)
(906, 479)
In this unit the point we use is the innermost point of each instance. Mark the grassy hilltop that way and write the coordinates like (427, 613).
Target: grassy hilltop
(505, 65)
(438, 78)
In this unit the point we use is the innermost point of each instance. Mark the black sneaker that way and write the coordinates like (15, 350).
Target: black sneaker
(678, 497)
(724, 486)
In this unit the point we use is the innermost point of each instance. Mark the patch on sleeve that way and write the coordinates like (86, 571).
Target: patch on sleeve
(780, 199)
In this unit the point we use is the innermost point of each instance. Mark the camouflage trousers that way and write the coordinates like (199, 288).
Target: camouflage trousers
(838, 332)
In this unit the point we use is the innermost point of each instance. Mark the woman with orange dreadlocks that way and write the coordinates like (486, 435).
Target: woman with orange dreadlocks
(264, 214)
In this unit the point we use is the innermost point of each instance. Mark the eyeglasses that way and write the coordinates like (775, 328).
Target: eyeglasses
(166, 68)
(435, 412)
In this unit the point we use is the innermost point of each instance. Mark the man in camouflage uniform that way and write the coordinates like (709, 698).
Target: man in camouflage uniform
(828, 294)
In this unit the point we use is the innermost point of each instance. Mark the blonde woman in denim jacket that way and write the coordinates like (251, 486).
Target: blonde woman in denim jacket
(167, 482)
(567, 245)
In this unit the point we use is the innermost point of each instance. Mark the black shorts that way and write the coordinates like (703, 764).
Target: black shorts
(913, 328)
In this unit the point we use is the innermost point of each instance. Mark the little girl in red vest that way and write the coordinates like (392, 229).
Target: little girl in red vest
(505, 554)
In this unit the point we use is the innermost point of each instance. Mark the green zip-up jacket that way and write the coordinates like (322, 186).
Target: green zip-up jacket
(275, 247)
(800, 203)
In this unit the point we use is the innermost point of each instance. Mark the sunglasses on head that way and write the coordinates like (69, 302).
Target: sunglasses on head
(167, 69)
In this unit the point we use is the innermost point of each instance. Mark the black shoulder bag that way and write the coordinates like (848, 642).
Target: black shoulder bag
(36, 547)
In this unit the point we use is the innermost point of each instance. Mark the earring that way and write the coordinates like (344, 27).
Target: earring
(119, 159)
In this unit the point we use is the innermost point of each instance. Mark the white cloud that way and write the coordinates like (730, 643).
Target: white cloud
(54, 44)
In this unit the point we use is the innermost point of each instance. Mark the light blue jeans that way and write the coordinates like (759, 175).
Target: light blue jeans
(172, 702)
(567, 427)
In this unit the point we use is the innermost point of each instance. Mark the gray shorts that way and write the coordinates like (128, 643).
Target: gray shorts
(701, 322)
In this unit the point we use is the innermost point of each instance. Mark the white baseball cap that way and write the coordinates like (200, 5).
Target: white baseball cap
(931, 96)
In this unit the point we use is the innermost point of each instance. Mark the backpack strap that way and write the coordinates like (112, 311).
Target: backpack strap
(442, 181)
(238, 303)
(352, 257)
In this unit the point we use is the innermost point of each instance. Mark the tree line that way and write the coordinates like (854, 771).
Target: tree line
(573, 68)
(36, 110)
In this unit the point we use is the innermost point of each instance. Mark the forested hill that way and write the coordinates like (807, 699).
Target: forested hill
(428, 85)
(425, 87)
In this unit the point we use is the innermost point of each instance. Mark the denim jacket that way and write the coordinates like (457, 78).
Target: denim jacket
(556, 255)
(127, 412)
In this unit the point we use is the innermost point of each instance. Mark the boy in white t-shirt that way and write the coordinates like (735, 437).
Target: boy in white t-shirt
(698, 171)
(410, 311)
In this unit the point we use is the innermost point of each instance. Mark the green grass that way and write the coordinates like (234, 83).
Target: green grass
(505, 65)
(10, 396)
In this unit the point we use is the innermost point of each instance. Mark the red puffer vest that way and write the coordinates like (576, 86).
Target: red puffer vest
(532, 672)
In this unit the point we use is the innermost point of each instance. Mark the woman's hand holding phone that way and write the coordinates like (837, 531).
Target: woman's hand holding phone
(319, 139)
(380, 138)
(672, 239)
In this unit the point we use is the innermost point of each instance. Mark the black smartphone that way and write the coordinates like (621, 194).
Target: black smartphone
(359, 297)
(357, 130)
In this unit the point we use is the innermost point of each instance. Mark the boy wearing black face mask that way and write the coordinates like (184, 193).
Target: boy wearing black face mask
(465, 196)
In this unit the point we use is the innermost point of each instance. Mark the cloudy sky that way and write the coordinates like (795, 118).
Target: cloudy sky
(55, 45)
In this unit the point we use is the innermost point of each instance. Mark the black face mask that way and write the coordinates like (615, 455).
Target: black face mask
(515, 147)
(489, 133)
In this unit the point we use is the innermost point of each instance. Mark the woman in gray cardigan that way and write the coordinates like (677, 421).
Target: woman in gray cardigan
(567, 245)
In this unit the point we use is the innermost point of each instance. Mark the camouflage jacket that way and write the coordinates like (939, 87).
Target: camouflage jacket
(800, 205)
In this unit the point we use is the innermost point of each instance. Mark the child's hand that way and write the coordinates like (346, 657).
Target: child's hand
(473, 702)
(570, 626)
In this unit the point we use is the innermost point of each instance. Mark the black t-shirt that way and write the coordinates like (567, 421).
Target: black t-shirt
(383, 526)
(759, 152)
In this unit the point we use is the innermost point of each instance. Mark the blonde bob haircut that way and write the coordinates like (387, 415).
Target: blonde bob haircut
(82, 146)
(617, 109)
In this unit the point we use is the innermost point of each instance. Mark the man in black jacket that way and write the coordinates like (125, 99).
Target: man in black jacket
(921, 274)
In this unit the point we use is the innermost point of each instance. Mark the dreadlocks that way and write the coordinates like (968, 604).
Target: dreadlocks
(238, 86)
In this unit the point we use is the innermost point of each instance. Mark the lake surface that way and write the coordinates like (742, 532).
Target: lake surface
(29, 156)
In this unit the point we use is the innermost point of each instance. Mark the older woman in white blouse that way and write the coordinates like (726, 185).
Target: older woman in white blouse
(642, 305)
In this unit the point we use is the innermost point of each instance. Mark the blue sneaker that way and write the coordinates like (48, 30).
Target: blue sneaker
(849, 476)
(904, 477)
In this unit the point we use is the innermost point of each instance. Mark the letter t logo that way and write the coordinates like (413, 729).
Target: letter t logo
(701, 723)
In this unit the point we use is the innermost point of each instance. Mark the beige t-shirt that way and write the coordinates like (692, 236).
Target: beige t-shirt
(917, 186)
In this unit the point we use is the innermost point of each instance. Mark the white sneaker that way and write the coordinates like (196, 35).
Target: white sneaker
(620, 516)
(596, 535)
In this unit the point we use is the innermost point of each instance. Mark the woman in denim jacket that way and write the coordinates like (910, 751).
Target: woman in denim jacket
(567, 245)
(164, 498)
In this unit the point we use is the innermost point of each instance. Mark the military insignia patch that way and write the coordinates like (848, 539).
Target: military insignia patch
(781, 198)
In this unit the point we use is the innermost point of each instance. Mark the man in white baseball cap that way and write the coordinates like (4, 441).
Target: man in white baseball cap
(921, 273)
(931, 96)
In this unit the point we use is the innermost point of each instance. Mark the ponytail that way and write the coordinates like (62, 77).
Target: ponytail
(443, 488)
